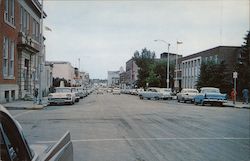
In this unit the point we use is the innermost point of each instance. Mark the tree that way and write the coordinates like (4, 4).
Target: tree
(213, 75)
(243, 65)
(144, 61)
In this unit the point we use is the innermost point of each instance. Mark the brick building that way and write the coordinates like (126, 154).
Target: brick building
(20, 45)
(190, 65)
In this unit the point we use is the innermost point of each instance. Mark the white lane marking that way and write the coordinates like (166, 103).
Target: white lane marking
(17, 115)
(148, 139)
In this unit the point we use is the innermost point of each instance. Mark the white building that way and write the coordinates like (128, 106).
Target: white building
(190, 71)
(113, 78)
(47, 78)
(62, 69)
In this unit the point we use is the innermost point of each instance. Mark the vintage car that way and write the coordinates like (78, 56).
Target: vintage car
(116, 91)
(166, 93)
(187, 94)
(76, 92)
(14, 146)
(210, 95)
(82, 93)
(151, 93)
(62, 95)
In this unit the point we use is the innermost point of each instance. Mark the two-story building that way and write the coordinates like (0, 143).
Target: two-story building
(190, 65)
(19, 46)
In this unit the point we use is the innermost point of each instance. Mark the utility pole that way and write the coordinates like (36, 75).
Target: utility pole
(176, 64)
(168, 67)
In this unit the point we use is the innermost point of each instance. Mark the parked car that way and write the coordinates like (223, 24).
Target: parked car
(62, 95)
(150, 93)
(166, 93)
(187, 94)
(116, 91)
(14, 146)
(76, 92)
(210, 95)
(81, 92)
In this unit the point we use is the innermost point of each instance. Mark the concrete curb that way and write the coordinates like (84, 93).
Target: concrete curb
(34, 107)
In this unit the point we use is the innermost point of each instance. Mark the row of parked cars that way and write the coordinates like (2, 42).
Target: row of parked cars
(68, 95)
(207, 95)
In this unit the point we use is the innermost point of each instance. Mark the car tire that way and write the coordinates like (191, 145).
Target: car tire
(178, 100)
(140, 97)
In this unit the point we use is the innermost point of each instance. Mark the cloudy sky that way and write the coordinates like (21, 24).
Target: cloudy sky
(105, 34)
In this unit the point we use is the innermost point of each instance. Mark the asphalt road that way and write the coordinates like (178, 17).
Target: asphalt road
(124, 128)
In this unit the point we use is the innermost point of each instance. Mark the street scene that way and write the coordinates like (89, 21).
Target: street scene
(123, 127)
(139, 80)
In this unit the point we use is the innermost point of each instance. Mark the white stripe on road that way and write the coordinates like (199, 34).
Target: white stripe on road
(20, 114)
(149, 139)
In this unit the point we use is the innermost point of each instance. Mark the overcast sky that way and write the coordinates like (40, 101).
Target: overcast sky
(105, 34)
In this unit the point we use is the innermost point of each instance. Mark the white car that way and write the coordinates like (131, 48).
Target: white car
(77, 93)
(151, 93)
(116, 91)
(187, 94)
(166, 93)
(62, 95)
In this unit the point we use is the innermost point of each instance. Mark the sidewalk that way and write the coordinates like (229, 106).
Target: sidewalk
(25, 105)
(237, 105)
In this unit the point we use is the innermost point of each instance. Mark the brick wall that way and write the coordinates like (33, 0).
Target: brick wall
(12, 33)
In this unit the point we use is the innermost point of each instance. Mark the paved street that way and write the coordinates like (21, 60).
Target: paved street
(124, 128)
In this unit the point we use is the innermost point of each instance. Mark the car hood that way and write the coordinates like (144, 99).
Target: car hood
(59, 94)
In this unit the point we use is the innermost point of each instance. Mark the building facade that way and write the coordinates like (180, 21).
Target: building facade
(19, 46)
(63, 69)
(131, 73)
(191, 64)
(113, 78)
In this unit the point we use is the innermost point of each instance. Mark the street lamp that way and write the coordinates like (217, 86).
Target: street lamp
(168, 60)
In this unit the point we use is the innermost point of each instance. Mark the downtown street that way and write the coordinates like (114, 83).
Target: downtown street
(124, 128)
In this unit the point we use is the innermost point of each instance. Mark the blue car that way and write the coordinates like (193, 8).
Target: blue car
(210, 95)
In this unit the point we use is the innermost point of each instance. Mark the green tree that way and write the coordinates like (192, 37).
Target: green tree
(243, 65)
(213, 75)
(144, 61)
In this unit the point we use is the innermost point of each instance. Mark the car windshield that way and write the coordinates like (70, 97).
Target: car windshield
(211, 91)
(63, 90)
(192, 91)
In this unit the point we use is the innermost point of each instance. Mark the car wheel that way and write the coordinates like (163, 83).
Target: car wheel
(196, 103)
(140, 97)
(178, 100)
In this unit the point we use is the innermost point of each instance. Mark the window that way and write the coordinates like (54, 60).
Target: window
(5, 56)
(8, 58)
(211, 58)
(216, 59)
(12, 11)
(33, 28)
(9, 11)
(12, 55)
(27, 22)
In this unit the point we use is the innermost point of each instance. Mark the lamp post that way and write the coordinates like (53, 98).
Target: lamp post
(41, 54)
(167, 62)
(176, 64)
